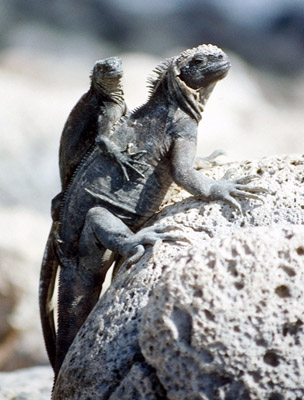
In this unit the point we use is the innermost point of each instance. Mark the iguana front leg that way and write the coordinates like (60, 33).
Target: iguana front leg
(183, 153)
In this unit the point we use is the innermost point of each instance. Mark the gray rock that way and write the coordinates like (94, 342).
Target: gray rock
(282, 176)
(26, 384)
(226, 320)
(147, 385)
(106, 357)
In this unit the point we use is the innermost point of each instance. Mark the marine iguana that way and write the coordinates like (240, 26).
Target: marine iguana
(103, 104)
(90, 121)
(103, 211)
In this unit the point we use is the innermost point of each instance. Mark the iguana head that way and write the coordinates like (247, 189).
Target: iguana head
(189, 78)
(106, 75)
(201, 66)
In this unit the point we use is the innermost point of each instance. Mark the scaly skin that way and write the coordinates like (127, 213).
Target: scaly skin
(91, 119)
(102, 210)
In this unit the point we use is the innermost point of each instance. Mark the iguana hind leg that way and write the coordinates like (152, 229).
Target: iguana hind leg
(102, 228)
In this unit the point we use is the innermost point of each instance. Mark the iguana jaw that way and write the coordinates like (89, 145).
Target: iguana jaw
(217, 70)
(196, 97)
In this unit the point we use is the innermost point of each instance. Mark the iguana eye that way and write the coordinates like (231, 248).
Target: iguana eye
(199, 61)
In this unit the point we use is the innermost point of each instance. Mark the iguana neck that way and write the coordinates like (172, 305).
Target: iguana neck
(190, 100)
(110, 90)
(187, 99)
(204, 94)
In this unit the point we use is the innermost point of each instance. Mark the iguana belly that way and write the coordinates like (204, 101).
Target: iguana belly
(101, 182)
(140, 197)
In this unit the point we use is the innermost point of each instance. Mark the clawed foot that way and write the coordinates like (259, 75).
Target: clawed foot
(134, 247)
(209, 161)
(226, 190)
(127, 158)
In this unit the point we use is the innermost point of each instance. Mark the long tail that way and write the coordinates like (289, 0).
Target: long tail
(48, 274)
(78, 293)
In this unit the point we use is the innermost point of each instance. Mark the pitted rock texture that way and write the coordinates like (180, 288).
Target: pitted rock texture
(147, 385)
(282, 176)
(105, 359)
(226, 320)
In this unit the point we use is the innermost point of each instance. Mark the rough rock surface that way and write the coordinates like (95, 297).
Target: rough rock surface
(282, 176)
(26, 384)
(106, 360)
(226, 319)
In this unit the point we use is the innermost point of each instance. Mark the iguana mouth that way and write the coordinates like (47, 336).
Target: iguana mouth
(114, 71)
(218, 70)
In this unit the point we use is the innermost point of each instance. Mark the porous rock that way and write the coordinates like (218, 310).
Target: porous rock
(226, 320)
(105, 358)
(282, 177)
(106, 352)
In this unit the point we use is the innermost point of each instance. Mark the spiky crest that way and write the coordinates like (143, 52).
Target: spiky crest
(158, 75)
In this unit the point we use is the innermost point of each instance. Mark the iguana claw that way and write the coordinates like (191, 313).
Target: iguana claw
(124, 158)
(129, 161)
(150, 236)
(226, 190)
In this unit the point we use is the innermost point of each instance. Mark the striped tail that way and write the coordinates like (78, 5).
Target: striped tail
(48, 274)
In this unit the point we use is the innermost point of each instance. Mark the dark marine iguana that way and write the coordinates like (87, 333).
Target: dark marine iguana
(103, 104)
(90, 121)
(103, 211)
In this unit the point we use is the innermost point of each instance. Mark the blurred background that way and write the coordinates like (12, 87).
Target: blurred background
(47, 49)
